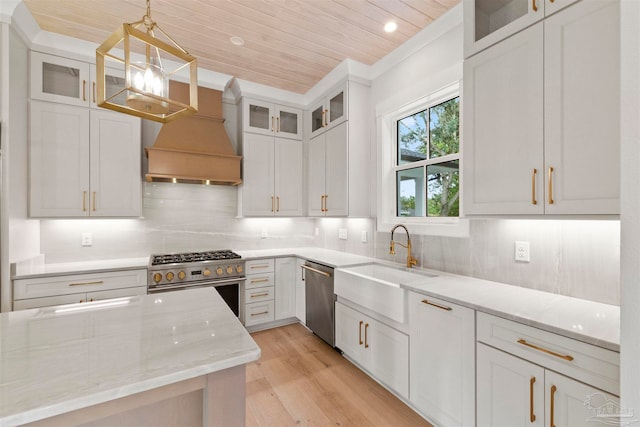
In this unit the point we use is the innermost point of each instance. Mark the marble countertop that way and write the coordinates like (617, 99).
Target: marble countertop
(327, 257)
(57, 359)
(37, 268)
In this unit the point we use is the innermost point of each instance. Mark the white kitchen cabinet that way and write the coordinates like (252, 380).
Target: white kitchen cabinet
(74, 288)
(527, 100)
(268, 118)
(67, 81)
(301, 308)
(339, 158)
(258, 292)
(376, 347)
(328, 173)
(285, 288)
(442, 347)
(329, 111)
(83, 162)
(272, 176)
(515, 392)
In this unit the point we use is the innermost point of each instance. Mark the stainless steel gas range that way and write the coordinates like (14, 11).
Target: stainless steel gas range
(220, 269)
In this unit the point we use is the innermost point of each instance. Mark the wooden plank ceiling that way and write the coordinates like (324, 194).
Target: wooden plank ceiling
(289, 44)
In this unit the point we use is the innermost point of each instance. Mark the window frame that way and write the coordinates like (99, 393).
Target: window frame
(388, 167)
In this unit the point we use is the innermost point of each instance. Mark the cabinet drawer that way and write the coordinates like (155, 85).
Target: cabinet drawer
(260, 266)
(259, 312)
(78, 283)
(48, 301)
(584, 362)
(259, 280)
(258, 294)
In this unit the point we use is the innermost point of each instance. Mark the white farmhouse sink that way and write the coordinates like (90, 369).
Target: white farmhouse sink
(377, 287)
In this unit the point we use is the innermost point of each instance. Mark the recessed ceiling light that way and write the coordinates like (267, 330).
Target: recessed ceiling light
(238, 41)
(390, 27)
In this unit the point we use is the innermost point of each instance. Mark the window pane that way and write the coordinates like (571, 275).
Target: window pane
(443, 185)
(413, 138)
(410, 191)
(444, 128)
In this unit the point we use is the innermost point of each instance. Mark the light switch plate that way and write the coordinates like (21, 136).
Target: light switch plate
(522, 251)
(363, 237)
(342, 233)
(87, 239)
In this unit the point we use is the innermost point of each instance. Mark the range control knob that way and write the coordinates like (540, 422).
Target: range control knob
(181, 275)
(206, 272)
(229, 270)
(239, 269)
(169, 276)
(219, 271)
(157, 277)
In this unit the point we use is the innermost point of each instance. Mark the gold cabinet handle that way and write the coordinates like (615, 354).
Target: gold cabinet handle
(84, 201)
(533, 3)
(259, 280)
(272, 203)
(277, 203)
(550, 185)
(260, 266)
(264, 294)
(553, 404)
(444, 307)
(360, 333)
(322, 203)
(259, 314)
(97, 282)
(277, 124)
(532, 416)
(94, 92)
(84, 90)
(323, 116)
(326, 209)
(326, 118)
(533, 187)
(94, 201)
(366, 341)
(552, 1)
(544, 350)
(272, 126)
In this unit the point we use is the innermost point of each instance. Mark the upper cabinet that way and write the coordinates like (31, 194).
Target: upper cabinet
(339, 153)
(83, 162)
(488, 21)
(267, 118)
(553, 115)
(67, 81)
(329, 111)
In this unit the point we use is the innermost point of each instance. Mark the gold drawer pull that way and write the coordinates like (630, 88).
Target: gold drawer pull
(444, 307)
(259, 280)
(544, 350)
(97, 282)
(553, 404)
(264, 294)
(360, 333)
(532, 416)
(260, 266)
(259, 314)
(533, 187)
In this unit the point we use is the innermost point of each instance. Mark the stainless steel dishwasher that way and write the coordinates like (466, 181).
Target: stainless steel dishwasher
(319, 300)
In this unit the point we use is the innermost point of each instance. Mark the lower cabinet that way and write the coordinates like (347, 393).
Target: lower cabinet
(530, 377)
(69, 289)
(376, 347)
(442, 359)
(514, 392)
(285, 299)
(301, 307)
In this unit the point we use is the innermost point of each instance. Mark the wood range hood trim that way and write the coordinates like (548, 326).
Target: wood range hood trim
(195, 148)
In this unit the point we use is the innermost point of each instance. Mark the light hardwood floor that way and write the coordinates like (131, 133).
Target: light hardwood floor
(300, 380)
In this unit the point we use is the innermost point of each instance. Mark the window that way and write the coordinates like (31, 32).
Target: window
(427, 162)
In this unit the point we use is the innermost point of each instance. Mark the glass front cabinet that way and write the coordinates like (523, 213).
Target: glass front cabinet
(267, 118)
(329, 111)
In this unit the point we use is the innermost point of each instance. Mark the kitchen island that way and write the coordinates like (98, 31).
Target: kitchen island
(166, 359)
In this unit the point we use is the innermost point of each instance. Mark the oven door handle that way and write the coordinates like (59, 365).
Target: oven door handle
(187, 285)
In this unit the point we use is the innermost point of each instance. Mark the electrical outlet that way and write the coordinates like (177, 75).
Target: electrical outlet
(87, 239)
(522, 251)
(342, 233)
(264, 234)
(363, 236)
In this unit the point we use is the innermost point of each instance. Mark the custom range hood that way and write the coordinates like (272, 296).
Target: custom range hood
(195, 148)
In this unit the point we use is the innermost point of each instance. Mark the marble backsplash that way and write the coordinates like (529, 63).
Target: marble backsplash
(578, 258)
